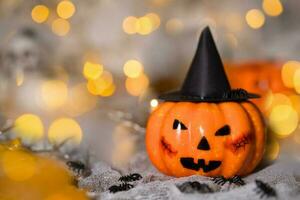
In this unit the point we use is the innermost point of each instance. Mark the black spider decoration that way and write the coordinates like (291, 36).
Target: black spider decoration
(264, 189)
(194, 186)
(121, 187)
(221, 180)
(78, 168)
(130, 177)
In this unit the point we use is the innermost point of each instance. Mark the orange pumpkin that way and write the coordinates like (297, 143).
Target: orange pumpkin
(209, 139)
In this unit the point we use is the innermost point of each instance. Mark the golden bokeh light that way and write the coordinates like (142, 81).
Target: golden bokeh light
(137, 86)
(272, 7)
(272, 150)
(144, 26)
(18, 165)
(133, 68)
(255, 18)
(283, 120)
(79, 101)
(65, 129)
(130, 25)
(40, 13)
(295, 100)
(296, 81)
(288, 71)
(109, 91)
(174, 26)
(68, 193)
(54, 94)
(96, 87)
(92, 70)
(275, 99)
(29, 128)
(65, 9)
(61, 27)
(155, 20)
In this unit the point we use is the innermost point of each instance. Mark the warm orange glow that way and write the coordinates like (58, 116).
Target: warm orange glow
(19, 165)
(79, 100)
(133, 68)
(272, 7)
(255, 18)
(144, 26)
(155, 20)
(29, 128)
(60, 27)
(63, 129)
(288, 71)
(40, 13)
(108, 91)
(137, 86)
(296, 81)
(54, 94)
(65, 9)
(92, 70)
(130, 25)
(96, 87)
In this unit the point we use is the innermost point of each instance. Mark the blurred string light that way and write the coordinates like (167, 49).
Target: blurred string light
(288, 71)
(296, 80)
(40, 13)
(275, 99)
(65, 130)
(283, 120)
(133, 68)
(54, 94)
(295, 101)
(153, 104)
(29, 128)
(60, 27)
(255, 18)
(174, 26)
(79, 101)
(19, 165)
(92, 70)
(143, 25)
(65, 9)
(137, 86)
(272, 7)
(102, 86)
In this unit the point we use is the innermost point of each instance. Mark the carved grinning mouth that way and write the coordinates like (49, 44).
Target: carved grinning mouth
(188, 162)
(167, 147)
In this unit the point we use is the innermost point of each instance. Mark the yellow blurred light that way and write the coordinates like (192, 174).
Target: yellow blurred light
(18, 165)
(255, 18)
(295, 100)
(92, 56)
(154, 103)
(296, 80)
(137, 86)
(54, 94)
(68, 193)
(65, 9)
(65, 129)
(174, 26)
(40, 13)
(272, 150)
(60, 27)
(274, 99)
(283, 120)
(144, 26)
(96, 87)
(133, 68)
(79, 100)
(272, 7)
(108, 91)
(29, 127)
(155, 20)
(130, 25)
(19, 77)
(92, 70)
(288, 71)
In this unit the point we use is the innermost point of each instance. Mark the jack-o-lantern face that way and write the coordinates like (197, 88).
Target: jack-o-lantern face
(208, 139)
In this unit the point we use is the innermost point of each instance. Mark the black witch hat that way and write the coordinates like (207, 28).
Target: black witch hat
(206, 80)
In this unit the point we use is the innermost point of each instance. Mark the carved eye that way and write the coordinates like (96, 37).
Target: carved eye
(179, 125)
(225, 130)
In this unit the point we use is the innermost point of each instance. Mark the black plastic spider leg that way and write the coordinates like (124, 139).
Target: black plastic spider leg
(237, 180)
(219, 180)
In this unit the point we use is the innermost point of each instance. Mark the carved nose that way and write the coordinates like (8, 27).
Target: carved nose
(203, 144)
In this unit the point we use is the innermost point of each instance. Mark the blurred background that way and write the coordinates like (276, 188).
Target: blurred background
(90, 71)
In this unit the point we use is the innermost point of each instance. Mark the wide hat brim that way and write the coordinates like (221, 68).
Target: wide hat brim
(236, 95)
